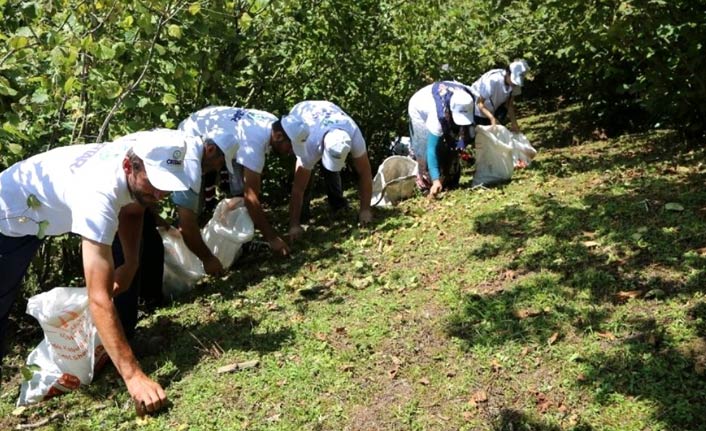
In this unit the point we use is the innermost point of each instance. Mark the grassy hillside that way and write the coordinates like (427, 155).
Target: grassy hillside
(570, 298)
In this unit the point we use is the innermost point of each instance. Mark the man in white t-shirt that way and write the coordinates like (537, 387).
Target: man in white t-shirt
(204, 154)
(494, 93)
(441, 121)
(332, 136)
(256, 132)
(96, 191)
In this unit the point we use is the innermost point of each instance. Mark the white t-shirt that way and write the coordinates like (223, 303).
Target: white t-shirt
(422, 110)
(491, 86)
(252, 129)
(321, 117)
(78, 188)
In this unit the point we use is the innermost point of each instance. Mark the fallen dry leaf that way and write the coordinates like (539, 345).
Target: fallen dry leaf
(627, 295)
(606, 335)
(553, 338)
(590, 244)
(525, 313)
(393, 372)
(478, 397)
(424, 381)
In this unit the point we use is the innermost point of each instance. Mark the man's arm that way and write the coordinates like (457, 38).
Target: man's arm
(257, 214)
(489, 115)
(301, 180)
(130, 221)
(98, 270)
(189, 227)
(365, 187)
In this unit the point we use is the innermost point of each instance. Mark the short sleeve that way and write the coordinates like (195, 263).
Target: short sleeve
(187, 199)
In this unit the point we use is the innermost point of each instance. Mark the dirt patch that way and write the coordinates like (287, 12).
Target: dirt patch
(379, 413)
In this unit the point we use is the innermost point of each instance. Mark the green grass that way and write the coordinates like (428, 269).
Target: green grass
(500, 308)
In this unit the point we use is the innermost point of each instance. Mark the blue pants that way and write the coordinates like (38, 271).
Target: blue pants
(16, 254)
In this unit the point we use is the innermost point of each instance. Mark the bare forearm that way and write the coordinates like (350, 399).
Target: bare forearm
(194, 241)
(257, 214)
(295, 207)
(110, 331)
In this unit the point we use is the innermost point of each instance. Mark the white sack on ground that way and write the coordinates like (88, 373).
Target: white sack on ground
(497, 152)
(71, 352)
(226, 232)
(394, 181)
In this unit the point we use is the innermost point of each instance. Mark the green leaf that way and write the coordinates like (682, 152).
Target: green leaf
(18, 42)
(169, 99)
(15, 149)
(144, 101)
(27, 371)
(70, 84)
(127, 22)
(40, 96)
(33, 202)
(42, 228)
(194, 8)
(5, 88)
(174, 31)
(673, 206)
(112, 89)
(106, 52)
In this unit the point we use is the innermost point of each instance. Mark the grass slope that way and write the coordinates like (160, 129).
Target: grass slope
(568, 299)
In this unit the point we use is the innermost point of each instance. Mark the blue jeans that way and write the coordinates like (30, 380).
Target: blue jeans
(16, 254)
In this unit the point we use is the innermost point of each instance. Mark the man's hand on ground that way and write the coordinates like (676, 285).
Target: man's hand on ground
(213, 266)
(435, 189)
(279, 247)
(365, 217)
(295, 232)
(147, 394)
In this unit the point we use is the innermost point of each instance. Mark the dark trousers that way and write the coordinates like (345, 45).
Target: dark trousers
(334, 192)
(147, 283)
(16, 254)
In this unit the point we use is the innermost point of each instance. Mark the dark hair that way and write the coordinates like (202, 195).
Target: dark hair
(135, 161)
(277, 127)
(209, 141)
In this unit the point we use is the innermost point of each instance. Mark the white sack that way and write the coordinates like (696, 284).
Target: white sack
(498, 151)
(226, 232)
(71, 352)
(394, 181)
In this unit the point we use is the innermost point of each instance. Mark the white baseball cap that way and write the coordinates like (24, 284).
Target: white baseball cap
(337, 145)
(296, 130)
(227, 143)
(517, 72)
(461, 105)
(163, 156)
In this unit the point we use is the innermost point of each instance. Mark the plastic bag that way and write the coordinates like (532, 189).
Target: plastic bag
(182, 268)
(71, 352)
(494, 162)
(498, 152)
(227, 231)
(394, 181)
(224, 234)
(522, 151)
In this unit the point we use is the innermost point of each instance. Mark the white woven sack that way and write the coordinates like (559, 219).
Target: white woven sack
(494, 149)
(70, 353)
